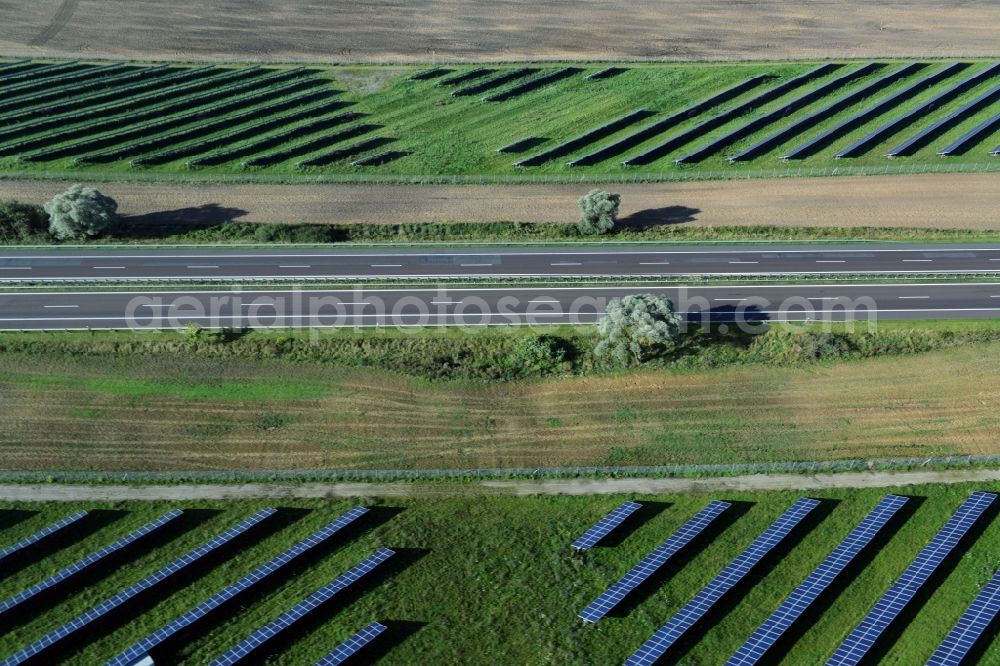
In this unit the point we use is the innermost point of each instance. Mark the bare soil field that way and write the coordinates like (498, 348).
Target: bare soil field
(419, 30)
(961, 201)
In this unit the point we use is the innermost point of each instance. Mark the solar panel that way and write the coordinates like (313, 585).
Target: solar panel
(888, 102)
(611, 597)
(303, 608)
(40, 535)
(971, 626)
(135, 590)
(90, 560)
(897, 123)
(935, 129)
(654, 648)
(978, 132)
(346, 650)
(605, 525)
(138, 652)
(891, 604)
(819, 580)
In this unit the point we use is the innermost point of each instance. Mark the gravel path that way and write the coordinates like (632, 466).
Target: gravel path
(636, 486)
(968, 201)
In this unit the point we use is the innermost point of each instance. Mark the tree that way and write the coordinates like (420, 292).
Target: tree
(80, 213)
(598, 212)
(637, 326)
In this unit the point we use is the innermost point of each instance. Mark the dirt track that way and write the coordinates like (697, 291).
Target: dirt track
(382, 30)
(755, 482)
(959, 201)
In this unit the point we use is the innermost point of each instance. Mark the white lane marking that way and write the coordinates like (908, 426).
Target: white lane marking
(544, 300)
(445, 302)
(108, 268)
(913, 260)
(744, 262)
(730, 300)
(60, 306)
(387, 265)
(202, 266)
(472, 265)
(296, 266)
(567, 263)
(15, 268)
(831, 261)
(654, 263)
(913, 297)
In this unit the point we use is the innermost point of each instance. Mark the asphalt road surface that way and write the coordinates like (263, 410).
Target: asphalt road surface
(283, 308)
(492, 262)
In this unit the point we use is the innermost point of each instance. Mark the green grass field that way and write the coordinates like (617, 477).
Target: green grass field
(429, 133)
(117, 402)
(492, 580)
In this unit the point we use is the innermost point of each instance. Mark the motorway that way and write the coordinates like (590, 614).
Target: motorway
(280, 308)
(493, 262)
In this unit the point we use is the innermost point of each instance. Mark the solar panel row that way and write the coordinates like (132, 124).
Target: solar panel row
(661, 641)
(895, 599)
(652, 562)
(798, 127)
(90, 560)
(41, 534)
(924, 136)
(724, 117)
(888, 102)
(348, 648)
(970, 627)
(302, 609)
(131, 592)
(978, 132)
(819, 580)
(136, 653)
(604, 526)
(891, 127)
(775, 115)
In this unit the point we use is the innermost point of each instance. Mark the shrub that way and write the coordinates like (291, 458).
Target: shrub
(80, 213)
(598, 212)
(22, 223)
(539, 355)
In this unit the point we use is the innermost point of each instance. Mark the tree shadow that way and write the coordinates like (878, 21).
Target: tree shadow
(149, 225)
(94, 520)
(721, 608)
(661, 576)
(659, 217)
(818, 608)
(892, 633)
(403, 559)
(640, 516)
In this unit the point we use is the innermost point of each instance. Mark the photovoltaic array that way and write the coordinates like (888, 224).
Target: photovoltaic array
(652, 562)
(667, 635)
(892, 603)
(819, 580)
(302, 609)
(348, 648)
(617, 516)
(136, 653)
(970, 627)
(41, 535)
(131, 592)
(89, 561)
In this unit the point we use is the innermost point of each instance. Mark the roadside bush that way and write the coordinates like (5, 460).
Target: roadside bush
(540, 355)
(22, 223)
(80, 213)
(638, 327)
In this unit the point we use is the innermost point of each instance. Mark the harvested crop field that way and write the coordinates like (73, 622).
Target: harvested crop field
(496, 30)
(174, 413)
(959, 201)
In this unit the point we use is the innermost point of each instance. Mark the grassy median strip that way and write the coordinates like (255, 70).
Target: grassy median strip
(512, 591)
(428, 399)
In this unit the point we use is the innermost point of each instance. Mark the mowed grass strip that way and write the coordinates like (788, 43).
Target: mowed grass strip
(493, 580)
(165, 413)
